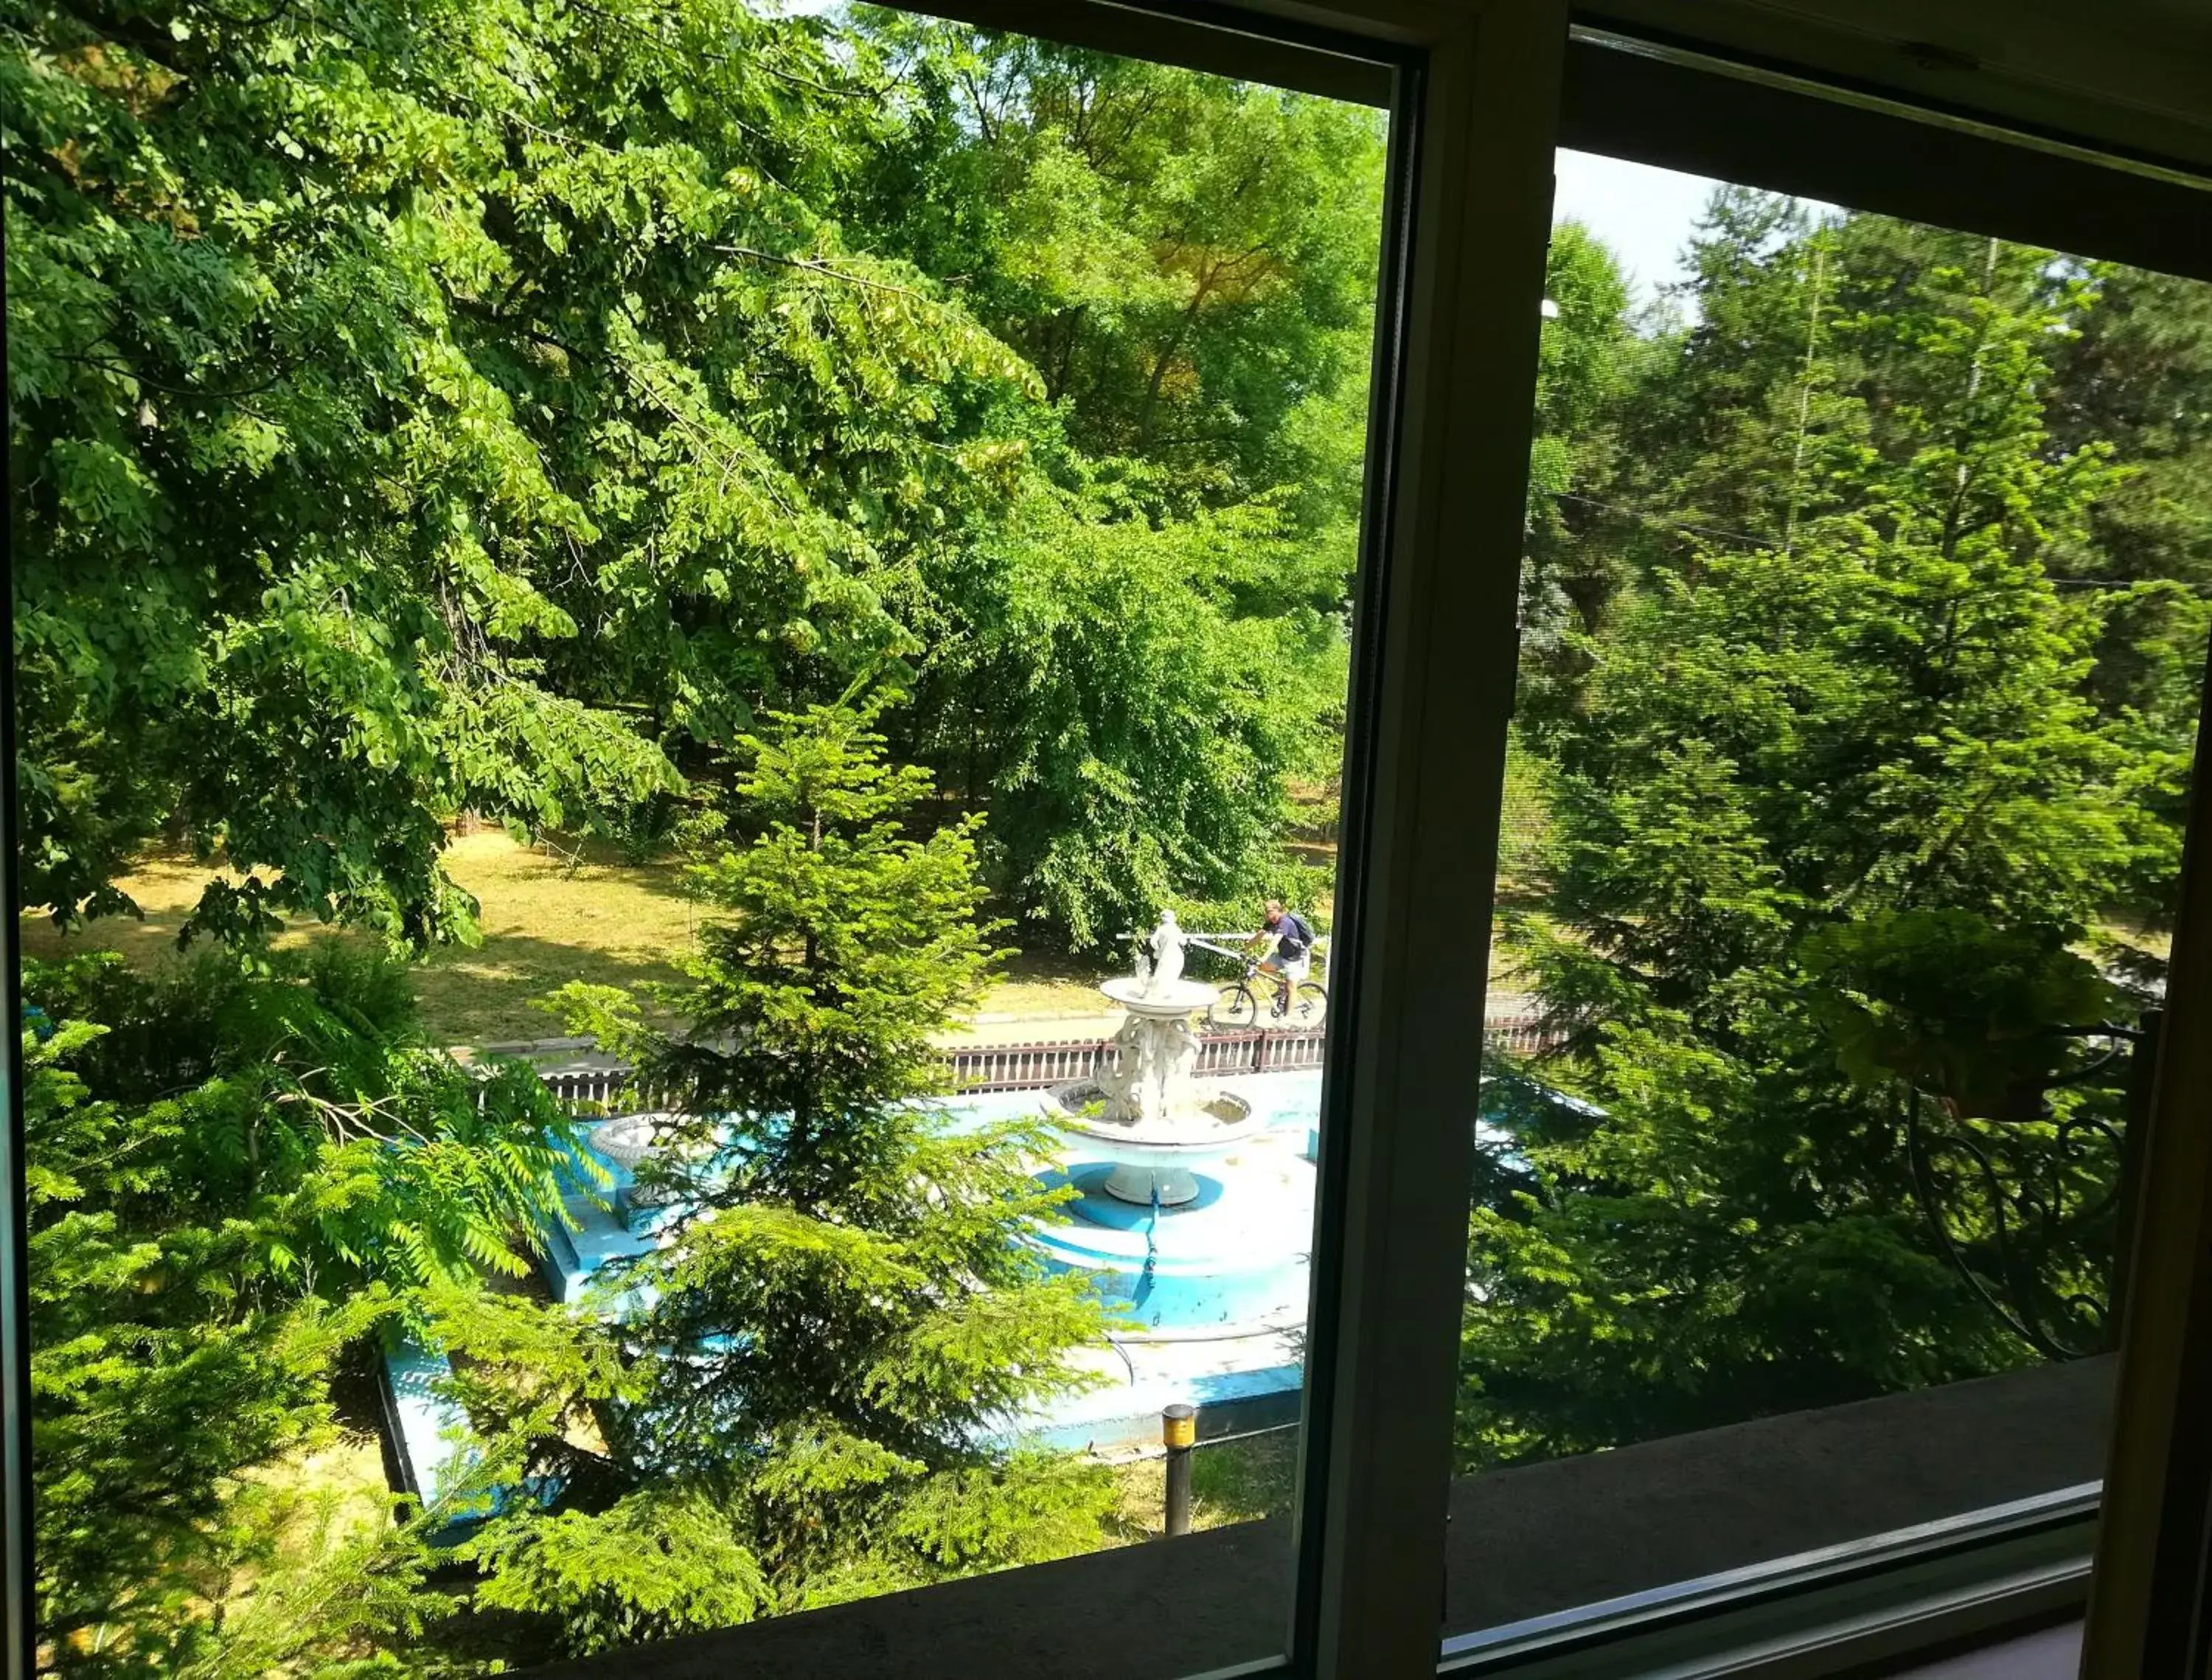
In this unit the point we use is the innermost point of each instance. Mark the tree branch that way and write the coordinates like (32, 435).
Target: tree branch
(815, 265)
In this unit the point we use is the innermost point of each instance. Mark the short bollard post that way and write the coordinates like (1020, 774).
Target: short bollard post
(1179, 1432)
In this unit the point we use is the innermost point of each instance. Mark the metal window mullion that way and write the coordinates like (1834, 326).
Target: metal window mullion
(17, 1610)
(2151, 1600)
(1390, 1267)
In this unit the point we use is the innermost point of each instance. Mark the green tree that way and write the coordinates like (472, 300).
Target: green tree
(2135, 370)
(1189, 262)
(842, 1316)
(1130, 695)
(1721, 437)
(1883, 712)
(1572, 562)
(231, 1178)
(439, 406)
(556, 428)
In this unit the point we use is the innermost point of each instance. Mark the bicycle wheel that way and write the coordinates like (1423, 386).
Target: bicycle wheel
(1235, 1010)
(1309, 1006)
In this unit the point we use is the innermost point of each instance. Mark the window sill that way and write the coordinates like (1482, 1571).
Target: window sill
(2055, 1654)
(1525, 1543)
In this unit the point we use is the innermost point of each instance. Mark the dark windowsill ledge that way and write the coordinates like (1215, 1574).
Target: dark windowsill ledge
(2054, 1654)
(1525, 1542)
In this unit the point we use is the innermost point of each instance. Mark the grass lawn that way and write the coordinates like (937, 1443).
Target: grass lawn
(546, 920)
(1236, 1481)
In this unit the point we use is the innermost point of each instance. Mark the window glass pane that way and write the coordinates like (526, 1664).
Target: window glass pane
(1864, 618)
(683, 676)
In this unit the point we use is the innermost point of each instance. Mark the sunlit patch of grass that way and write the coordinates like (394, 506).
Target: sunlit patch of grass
(1239, 1481)
(1047, 983)
(549, 916)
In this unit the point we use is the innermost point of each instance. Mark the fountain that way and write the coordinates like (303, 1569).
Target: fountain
(1189, 1216)
(1148, 1117)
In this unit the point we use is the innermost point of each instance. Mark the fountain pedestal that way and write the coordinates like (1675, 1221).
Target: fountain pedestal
(1187, 1254)
(1151, 1094)
(1148, 1115)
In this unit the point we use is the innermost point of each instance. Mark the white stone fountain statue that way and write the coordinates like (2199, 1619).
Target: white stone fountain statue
(1149, 1113)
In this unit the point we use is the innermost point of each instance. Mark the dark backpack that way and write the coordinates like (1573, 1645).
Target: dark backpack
(1297, 937)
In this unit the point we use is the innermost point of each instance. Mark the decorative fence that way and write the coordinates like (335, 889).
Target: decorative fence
(587, 1077)
(1027, 1067)
(599, 1086)
(1518, 1028)
(1033, 1066)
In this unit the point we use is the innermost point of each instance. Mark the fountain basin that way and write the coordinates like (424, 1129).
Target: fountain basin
(1210, 1130)
(1152, 1157)
(1225, 1263)
(1171, 998)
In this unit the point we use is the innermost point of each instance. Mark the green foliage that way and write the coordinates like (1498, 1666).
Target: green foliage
(832, 937)
(1132, 694)
(232, 1177)
(400, 430)
(165, 1363)
(651, 1566)
(519, 418)
(1823, 811)
(310, 1591)
(1188, 262)
(2135, 371)
(842, 1315)
(1943, 999)
(1585, 365)
(1124, 669)
(311, 1089)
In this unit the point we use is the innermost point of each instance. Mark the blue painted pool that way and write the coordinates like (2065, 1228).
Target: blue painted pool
(1230, 1269)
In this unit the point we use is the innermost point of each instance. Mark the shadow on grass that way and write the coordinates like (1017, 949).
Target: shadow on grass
(490, 993)
(470, 995)
(550, 913)
(1243, 1481)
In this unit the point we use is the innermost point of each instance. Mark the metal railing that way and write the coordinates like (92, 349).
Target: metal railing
(1522, 1032)
(1033, 1066)
(601, 1087)
(1027, 1067)
(589, 1079)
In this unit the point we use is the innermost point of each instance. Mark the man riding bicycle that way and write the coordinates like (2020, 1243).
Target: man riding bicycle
(1288, 942)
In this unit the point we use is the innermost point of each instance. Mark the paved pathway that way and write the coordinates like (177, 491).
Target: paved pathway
(988, 1028)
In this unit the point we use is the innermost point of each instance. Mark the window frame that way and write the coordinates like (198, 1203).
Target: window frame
(1887, 1595)
(17, 1606)
(1662, 100)
(1481, 92)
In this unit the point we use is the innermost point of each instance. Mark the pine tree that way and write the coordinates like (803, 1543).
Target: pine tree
(1571, 566)
(1883, 714)
(2135, 370)
(841, 1321)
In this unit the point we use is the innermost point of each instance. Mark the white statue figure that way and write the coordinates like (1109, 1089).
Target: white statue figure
(1167, 955)
(1125, 1084)
(1178, 1056)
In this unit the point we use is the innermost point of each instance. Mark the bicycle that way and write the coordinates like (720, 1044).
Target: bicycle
(1240, 1007)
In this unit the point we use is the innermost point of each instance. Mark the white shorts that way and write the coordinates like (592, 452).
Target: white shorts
(1295, 970)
